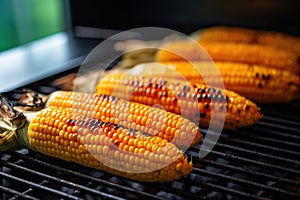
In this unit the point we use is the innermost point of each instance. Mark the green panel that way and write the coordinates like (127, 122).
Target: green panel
(22, 21)
(46, 17)
(8, 35)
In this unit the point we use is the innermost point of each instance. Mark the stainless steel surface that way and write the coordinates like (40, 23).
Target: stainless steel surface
(42, 58)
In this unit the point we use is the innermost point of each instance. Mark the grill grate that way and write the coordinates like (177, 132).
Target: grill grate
(256, 162)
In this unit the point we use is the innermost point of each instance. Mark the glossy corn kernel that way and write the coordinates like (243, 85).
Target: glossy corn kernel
(196, 102)
(106, 146)
(253, 54)
(251, 36)
(258, 83)
(154, 121)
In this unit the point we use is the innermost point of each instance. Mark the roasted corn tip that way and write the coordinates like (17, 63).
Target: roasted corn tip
(106, 146)
(251, 36)
(252, 54)
(196, 102)
(107, 108)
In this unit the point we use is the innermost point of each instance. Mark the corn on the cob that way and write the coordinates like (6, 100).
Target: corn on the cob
(258, 83)
(174, 128)
(251, 36)
(253, 54)
(196, 102)
(96, 144)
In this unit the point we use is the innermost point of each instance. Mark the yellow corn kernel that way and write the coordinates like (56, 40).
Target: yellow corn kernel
(107, 153)
(127, 114)
(251, 36)
(196, 102)
(253, 54)
(255, 82)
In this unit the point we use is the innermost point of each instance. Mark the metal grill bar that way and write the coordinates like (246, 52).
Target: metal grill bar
(256, 163)
(226, 190)
(273, 125)
(16, 193)
(166, 187)
(271, 140)
(252, 153)
(277, 142)
(279, 134)
(281, 120)
(37, 186)
(252, 145)
(289, 132)
(59, 181)
(47, 165)
(284, 111)
(257, 175)
(248, 152)
(243, 182)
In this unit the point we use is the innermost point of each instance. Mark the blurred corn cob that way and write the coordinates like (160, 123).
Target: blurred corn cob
(196, 102)
(93, 143)
(258, 83)
(151, 120)
(84, 82)
(253, 54)
(250, 36)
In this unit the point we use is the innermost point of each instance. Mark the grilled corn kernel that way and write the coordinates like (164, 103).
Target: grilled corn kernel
(253, 54)
(128, 114)
(251, 36)
(196, 102)
(98, 147)
(257, 83)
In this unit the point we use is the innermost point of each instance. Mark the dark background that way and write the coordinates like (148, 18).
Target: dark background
(187, 16)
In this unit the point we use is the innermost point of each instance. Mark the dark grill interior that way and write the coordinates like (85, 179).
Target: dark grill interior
(257, 162)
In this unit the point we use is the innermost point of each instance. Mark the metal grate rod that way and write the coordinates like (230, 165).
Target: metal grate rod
(273, 125)
(243, 182)
(257, 154)
(240, 159)
(57, 180)
(89, 178)
(285, 134)
(37, 186)
(286, 170)
(281, 120)
(16, 193)
(225, 190)
(166, 188)
(254, 145)
(277, 142)
(248, 172)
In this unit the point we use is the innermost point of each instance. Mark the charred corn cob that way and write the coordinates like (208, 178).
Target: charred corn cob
(258, 83)
(196, 102)
(96, 144)
(253, 54)
(251, 36)
(151, 120)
